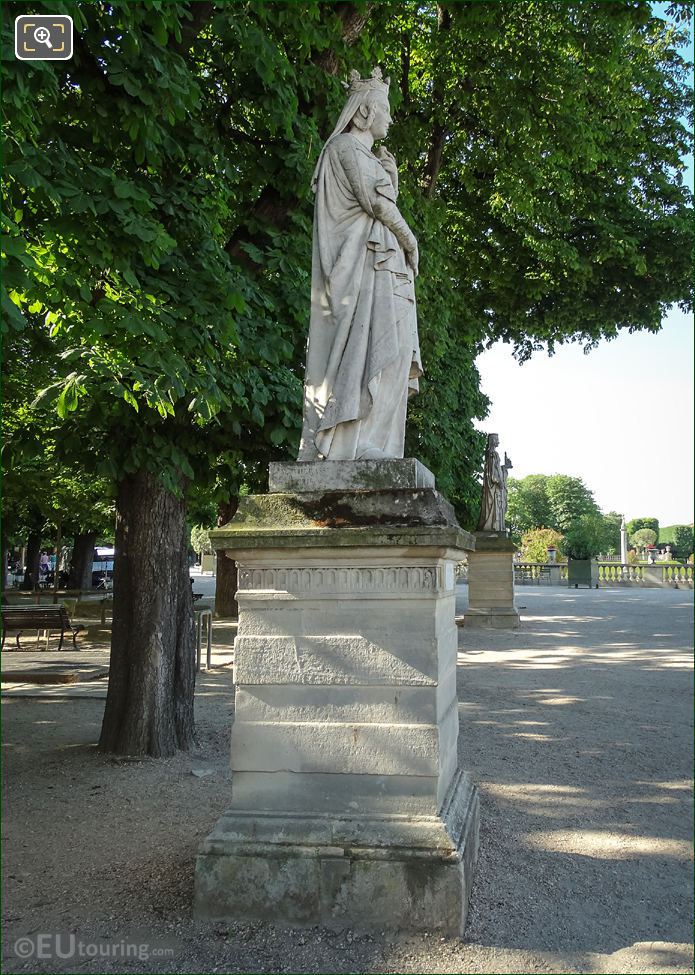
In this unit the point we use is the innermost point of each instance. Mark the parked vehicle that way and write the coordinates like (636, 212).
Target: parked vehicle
(102, 568)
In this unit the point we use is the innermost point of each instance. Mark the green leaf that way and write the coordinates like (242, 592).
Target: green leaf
(67, 401)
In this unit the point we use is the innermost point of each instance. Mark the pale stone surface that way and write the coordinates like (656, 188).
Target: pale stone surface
(363, 356)
(493, 507)
(392, 871)
(491, 583)
(349, 475)
(344, 747)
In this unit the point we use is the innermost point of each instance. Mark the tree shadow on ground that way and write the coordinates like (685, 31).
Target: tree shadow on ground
(578, 732)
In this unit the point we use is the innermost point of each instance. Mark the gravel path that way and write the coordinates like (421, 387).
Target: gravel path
(577, 729)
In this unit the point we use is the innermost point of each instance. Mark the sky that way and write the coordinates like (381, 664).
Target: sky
(621, 417)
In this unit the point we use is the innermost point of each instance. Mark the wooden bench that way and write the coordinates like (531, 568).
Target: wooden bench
(37, 618)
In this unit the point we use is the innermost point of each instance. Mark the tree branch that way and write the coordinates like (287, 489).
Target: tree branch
(201, 12)
(405, 67)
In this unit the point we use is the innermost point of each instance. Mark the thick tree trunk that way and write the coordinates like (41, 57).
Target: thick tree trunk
(81, 561)
(149, 705)
(226, 583)
(31, 575)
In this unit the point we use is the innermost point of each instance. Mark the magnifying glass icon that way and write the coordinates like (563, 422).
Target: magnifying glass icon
(42, 35)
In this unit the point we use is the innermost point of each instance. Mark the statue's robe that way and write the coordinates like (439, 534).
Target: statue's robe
(493, 505)
(363, 356)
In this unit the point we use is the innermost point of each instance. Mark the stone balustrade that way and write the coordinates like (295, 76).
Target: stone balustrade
(656, 575)
(540, 573)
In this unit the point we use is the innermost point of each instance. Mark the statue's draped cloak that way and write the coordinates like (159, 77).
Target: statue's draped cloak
(493, 502)
(363, 356)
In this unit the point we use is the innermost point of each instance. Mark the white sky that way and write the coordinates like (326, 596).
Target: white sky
(620, 417)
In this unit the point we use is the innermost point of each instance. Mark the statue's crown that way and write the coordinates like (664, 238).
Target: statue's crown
(376, 82)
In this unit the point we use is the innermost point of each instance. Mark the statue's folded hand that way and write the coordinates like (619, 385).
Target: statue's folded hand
(388, 164)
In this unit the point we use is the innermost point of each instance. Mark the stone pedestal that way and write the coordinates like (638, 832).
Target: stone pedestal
(491, 582)
(348, 806)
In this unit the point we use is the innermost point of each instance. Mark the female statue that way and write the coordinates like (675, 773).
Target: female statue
(363, 356)
(493, 507)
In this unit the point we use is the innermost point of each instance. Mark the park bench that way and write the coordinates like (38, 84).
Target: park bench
(21, 618)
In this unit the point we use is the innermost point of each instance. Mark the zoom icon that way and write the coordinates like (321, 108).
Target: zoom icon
(43, 38)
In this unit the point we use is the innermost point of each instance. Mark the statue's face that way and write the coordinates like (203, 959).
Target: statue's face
(382, 119)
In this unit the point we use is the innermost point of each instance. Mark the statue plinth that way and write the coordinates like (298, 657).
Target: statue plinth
(491, 582)
(348, 807)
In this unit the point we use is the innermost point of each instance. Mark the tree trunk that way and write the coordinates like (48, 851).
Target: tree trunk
(226, 583)
(31, 575)
(81, 561)
(4, 556)
(435, 153)
(149, 705)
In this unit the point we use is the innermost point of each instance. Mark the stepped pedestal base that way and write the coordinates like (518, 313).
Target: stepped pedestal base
(348, 806)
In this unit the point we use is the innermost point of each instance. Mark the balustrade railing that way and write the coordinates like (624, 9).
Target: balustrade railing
(540, 573)
(678, 574)
(618, 573)
(609, 574)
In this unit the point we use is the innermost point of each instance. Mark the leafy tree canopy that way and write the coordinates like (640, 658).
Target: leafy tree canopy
(644, 537)
(157, 212)
(547, 501)
(637, 523)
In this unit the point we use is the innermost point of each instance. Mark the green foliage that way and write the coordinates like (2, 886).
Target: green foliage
(42, 486)
(547, 120)
(667, 533)
(536, 542)
(200, 540)
(569, 499)
(585, 537)
(120, 180)
(644, 537)
(157, 212)
(528, 506)
(611, 540)
(683, 541)
(637, 523)
(547, 501)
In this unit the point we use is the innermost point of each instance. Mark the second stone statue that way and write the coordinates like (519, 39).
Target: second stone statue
(363, 355)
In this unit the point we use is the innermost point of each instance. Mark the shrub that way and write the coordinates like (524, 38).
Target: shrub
(682, 545)
(584, 538)
(200, 540)
(535, 544)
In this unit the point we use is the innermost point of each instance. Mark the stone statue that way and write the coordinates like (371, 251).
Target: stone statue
(363, 356)
(493, 508)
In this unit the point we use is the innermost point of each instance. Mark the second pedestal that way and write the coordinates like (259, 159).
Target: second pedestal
(491, 582)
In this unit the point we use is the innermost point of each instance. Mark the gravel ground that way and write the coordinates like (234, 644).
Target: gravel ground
(577, 729)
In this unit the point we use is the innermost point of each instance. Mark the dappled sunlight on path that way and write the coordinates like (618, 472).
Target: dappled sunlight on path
(578, 730)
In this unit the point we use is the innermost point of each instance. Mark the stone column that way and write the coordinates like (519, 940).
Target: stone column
(491, 582)
(348, 806)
